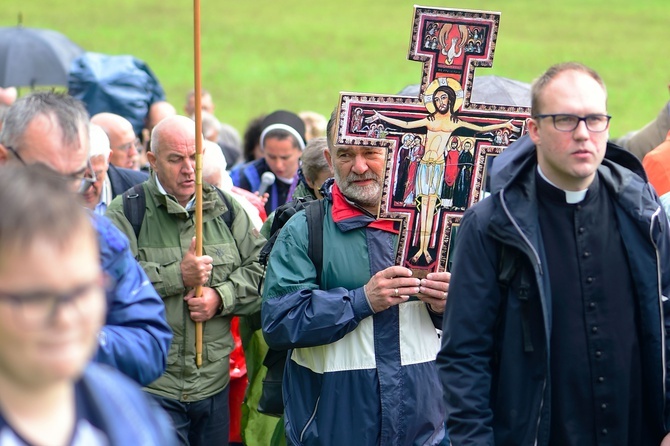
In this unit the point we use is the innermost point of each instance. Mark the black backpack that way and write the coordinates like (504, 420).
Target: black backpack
(271, 401)
(134, 207)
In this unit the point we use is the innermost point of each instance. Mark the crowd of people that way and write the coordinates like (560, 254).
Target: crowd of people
(550, 327)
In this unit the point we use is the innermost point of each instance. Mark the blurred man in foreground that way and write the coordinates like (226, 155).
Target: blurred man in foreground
(52, 308)
(53, 129)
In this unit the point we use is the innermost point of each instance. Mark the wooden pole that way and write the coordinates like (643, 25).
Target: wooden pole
(198, 166)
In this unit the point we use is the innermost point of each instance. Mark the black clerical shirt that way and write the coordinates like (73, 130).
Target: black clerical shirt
(595, 370)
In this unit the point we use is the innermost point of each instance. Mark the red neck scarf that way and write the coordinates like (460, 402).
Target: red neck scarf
(342, 209)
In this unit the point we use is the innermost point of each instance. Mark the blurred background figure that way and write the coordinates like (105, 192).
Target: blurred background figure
(282, 141)
(99, 193)
(252, 140)
(251, 146)
(214, 172)
(7, 98)
(8, 95)
(110, 180)
(157, 112)
(657, 166)
(206, 102)
(51, 315)
(227, 136)
(315, 124)
(211, 127)
(644, 140)
(122, 140)
(314, 169)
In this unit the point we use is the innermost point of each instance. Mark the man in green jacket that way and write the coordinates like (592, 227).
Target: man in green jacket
(196, 399)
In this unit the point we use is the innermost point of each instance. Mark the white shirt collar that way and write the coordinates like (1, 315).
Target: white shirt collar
(162, 190)
(571, 196)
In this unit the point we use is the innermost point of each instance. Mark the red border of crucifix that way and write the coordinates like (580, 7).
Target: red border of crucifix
(439, 143)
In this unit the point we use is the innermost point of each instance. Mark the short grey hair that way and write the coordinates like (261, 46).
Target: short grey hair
(67, 112)
(331, 128)
(313, 160)
(210, 124)
(99, 142)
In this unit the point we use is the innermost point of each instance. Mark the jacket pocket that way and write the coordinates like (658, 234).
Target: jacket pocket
(225, 259)
(152, 273)
(174, 354)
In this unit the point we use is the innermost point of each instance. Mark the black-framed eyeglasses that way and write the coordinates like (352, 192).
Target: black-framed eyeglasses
(39, 308)
(564, 122)
(83, 179)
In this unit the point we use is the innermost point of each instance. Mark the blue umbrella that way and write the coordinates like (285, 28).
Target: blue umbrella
(33, 56)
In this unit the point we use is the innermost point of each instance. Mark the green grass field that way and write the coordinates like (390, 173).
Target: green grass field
(261, 55)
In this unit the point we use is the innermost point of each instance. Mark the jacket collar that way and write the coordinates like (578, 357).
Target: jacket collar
(513, 183)
(521, 154)
(170, 202)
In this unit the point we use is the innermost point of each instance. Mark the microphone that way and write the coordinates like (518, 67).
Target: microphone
(267, 180)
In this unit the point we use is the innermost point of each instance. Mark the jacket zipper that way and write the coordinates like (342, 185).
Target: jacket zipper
(539, 266)
(516, 226)
(311, 418)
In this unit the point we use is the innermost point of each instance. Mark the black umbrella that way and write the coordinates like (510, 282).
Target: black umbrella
(33, 56)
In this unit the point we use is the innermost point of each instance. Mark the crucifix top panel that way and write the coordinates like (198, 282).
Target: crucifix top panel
(439, 142)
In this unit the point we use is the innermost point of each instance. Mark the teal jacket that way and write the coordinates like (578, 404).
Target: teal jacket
(354, 376)
(163, 240)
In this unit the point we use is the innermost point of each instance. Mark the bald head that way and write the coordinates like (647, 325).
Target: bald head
(206, 102)
(172, 130)
(122, 139)
(159, 111)
(8, 95)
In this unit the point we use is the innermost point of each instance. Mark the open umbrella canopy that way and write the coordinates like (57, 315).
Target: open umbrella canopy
(31, 56)
(490, 90)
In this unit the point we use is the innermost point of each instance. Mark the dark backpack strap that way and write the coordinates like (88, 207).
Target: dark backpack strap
(511, 265)
(228, 216)
(271, 401)
(134, 207)
(315, 214)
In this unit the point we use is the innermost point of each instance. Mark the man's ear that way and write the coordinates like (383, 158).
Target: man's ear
(4, 154)
(327, 154)
(533, 131)
(151, 157)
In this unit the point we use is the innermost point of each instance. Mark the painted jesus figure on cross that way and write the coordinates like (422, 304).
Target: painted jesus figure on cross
(442, 98)
(430, 183)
